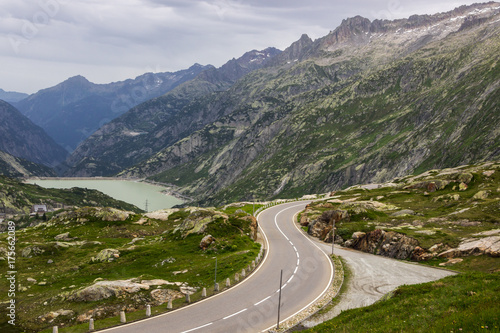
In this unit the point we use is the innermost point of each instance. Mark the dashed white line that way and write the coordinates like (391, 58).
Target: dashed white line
(265, 299)
(234, 314)
(197, 328)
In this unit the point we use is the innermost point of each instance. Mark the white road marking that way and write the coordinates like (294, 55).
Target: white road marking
(331, 270)
(234, 314)
(197, 328)
(265, 299)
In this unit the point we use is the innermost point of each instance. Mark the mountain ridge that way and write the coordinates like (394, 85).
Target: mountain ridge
(358, 105)
(148, 127)
(21, 138)
(73, 109)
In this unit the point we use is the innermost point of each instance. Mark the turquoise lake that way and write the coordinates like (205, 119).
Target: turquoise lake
(132, 192)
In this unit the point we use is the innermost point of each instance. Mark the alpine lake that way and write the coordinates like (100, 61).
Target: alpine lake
(143, 195)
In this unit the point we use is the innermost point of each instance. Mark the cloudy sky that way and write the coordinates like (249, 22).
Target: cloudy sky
(43, 42)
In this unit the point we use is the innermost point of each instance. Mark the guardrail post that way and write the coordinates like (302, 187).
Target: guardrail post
(148, 310)
(204, 292)
(123, 317)
(55, 329)
(188, 298)
(236, 277)
(228, 282)
(169, 305)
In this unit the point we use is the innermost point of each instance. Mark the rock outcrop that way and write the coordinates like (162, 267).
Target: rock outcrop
(322, 226)
(487, 245)
(106, 289)
(385, 243)
(206, 242)
(106, 255)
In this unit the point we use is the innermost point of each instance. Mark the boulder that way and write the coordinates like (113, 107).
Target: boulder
(156, 282)
(49, 317)
(197, 222)
(452, 261)
(32, 250)
(488, 245)
(403, 212)
(358, 234)
(106, 255)
(63, 237)
(322, 226)
(481, 195)
(254, 226)
(304, 220)
(161, 296)
(206, 242)
(389, 244)
(420, 254)
(106, 289)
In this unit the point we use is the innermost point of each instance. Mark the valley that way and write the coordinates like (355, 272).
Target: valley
(348, 182)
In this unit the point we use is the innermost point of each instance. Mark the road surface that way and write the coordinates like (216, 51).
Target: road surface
(372, 277)
(252, 306)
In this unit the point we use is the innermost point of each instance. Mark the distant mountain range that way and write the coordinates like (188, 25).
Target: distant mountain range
(21, 138)
(72, 110)
(366, 103)
(12, 96)
(370, 101)
(158, 123)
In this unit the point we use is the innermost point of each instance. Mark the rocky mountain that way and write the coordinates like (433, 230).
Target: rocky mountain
(21, 138)
(155, 124)
(16, 167)
(12, 96)
(368, 102)
(437, 214)
(72, 110)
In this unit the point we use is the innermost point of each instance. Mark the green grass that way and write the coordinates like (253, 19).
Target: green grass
(73, 269)
(462, 303)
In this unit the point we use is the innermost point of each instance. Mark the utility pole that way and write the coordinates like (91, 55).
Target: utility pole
(253, 204)
(333, 235)
(146, 205)
(279, 301)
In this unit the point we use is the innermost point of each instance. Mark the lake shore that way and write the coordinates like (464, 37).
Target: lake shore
(139, 194)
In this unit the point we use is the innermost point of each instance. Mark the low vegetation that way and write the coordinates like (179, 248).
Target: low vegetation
(462, 303)
(441, 210)
(59, 260)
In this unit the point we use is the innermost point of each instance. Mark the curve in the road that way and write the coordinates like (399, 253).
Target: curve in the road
(252, 305)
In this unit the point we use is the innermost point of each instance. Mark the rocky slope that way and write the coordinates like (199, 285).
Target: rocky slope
(366, 103)
(17, 167)
(155, 124)
(72, 110)
(444, 214)
(21, 138)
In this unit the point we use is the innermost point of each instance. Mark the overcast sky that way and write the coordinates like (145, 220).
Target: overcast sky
(44, 42)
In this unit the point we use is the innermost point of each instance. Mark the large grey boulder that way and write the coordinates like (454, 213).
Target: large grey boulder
(106, 255)
(106, 289)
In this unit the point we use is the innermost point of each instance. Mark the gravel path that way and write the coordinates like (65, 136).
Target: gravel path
(372, 277)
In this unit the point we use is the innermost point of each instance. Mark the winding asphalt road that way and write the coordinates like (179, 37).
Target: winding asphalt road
(252, 306)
